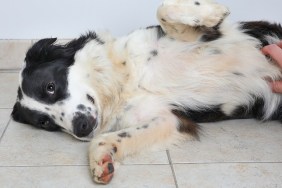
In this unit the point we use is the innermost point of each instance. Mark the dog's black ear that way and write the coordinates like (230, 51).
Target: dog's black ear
(46, 50)
(20, 94)
(80, 42)
(16, 113)
(40, 51)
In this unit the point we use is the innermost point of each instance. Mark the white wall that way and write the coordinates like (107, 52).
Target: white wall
(29, 19)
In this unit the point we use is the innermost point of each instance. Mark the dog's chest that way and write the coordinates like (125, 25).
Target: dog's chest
(135, 111)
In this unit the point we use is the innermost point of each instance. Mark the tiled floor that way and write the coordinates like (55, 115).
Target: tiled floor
(241, 153)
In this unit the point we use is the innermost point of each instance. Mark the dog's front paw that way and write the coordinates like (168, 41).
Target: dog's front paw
(102, 161)
(191, 13)
(103, 170)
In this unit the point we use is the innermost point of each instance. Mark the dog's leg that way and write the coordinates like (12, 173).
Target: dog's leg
(188, 20)
(111, 147)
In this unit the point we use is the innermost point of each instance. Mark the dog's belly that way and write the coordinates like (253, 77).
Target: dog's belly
(227, 72)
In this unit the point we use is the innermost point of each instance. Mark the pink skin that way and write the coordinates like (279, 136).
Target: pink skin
(275, 52)
(108, 173)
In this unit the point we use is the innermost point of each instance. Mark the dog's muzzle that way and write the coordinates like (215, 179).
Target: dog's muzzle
(83, 125)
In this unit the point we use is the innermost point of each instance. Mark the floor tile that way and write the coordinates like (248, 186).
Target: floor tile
(148, 157)
(4, 118)
(79, 176)
(12, 53)
(233, 141)
(23, 145)
(45, 177)
(9, 85)
(253, 175)
(143, 176)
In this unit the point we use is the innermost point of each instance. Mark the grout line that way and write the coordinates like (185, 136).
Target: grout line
(172, 168)
(150, 164)
(10, 70)
(14, 39)
(38, 166)
(215, 163)
(43, 166)
(5, 130)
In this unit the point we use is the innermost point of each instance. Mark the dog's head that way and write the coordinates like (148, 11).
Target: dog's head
(49, 97)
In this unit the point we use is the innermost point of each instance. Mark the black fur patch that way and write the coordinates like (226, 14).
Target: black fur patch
(91, 99)
(238, 74)
(81, 107)
(261, 29)
(254, 111)
(186, 125)
(124, 135)
(211, 114)
(159, 30)
(20, 94)
(210, 34)
(214, 114)
(145, 126)
(114, 149)
(154, 53)
(37, 119)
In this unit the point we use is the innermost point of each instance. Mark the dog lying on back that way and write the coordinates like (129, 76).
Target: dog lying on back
(152, 86)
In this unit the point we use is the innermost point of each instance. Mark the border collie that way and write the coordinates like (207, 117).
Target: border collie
(149, 88)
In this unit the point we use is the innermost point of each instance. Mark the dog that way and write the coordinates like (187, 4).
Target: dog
(151, 87)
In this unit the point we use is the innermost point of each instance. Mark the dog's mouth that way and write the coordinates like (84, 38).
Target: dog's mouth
(83, 139)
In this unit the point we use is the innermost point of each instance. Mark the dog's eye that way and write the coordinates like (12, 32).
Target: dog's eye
(44, 123)
(50, 88)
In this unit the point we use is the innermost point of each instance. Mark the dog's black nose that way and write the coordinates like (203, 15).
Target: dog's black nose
(83, 125)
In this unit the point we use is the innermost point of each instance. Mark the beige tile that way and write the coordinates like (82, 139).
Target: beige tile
(4, 118)
(35, 177)
(129, 176)
(78, 176)
(233, 141)
(9, 85)
(253, 175)
(148, 157)
(12, 53)
(59, 41)
(23, 145)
